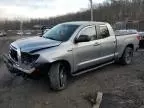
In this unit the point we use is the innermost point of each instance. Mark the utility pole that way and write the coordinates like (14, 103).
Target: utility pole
(91, 4)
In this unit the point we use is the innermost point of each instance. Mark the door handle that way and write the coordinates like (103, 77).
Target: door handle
(96, 44)
(69, 50)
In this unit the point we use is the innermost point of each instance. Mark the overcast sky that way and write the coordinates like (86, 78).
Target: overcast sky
(40, 8)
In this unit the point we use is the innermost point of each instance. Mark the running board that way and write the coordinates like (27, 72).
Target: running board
(91, 69)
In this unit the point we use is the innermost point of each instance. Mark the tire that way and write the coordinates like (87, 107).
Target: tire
(58, 76)
(127, 56)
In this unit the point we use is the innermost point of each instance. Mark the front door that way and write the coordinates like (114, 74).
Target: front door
(86, 54)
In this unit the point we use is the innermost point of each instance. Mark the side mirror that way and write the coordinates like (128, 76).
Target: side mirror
(82, 38)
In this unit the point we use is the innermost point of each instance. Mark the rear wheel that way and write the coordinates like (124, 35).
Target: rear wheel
(58, 76)
(127, 56)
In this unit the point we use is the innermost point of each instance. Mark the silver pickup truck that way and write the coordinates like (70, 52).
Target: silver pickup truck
(70, 48)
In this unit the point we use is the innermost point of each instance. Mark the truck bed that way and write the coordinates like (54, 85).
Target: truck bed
(124, 39)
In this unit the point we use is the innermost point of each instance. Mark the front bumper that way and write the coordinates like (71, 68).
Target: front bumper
(11, 65)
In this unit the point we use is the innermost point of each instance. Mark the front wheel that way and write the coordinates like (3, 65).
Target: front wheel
(127, 56)
(58, 76)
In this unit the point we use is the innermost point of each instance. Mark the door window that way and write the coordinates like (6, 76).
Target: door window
(89, 31)
(104, 32)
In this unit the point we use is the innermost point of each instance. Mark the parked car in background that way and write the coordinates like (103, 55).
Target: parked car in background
(71, 48)
(132, 31)
(20, 33)
(28, 33)
(141, 43)
(39, 34)
(2, 33)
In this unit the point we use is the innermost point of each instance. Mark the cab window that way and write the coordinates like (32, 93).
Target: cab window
(103, 32)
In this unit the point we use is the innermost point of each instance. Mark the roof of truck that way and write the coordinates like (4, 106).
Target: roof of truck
(84, 22)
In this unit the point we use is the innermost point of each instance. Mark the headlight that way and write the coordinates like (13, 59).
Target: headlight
(27, 58)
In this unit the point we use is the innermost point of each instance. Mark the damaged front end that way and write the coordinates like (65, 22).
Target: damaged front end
(22, 63)
(23, 56)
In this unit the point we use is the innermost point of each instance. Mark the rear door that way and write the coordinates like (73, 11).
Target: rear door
(108, 43)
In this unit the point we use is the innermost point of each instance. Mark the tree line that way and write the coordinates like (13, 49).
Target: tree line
(109, 11)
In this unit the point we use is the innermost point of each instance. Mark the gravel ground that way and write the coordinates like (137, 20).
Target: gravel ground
(123, 87)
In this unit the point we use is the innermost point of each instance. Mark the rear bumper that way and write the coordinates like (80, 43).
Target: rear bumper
(13, 66)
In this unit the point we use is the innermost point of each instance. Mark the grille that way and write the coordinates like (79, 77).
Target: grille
(13, 54)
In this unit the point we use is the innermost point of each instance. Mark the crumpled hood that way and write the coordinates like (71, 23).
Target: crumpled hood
(33, 44)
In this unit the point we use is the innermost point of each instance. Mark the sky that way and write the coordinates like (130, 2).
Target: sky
(12, 9)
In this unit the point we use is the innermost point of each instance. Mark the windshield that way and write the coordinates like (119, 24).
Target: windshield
(61, 32)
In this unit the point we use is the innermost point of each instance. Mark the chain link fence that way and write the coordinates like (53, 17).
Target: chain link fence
(130, 24)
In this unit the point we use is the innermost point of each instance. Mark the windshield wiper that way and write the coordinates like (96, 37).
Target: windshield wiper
(51, 38)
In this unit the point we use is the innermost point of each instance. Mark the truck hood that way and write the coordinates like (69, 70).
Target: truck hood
(33, 44)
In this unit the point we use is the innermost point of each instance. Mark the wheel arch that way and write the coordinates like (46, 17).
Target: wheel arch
(121, 52)
(130, 45)
(123, 58)
(65, 62)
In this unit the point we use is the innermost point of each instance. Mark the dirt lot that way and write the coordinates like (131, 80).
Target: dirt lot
(123, 87)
